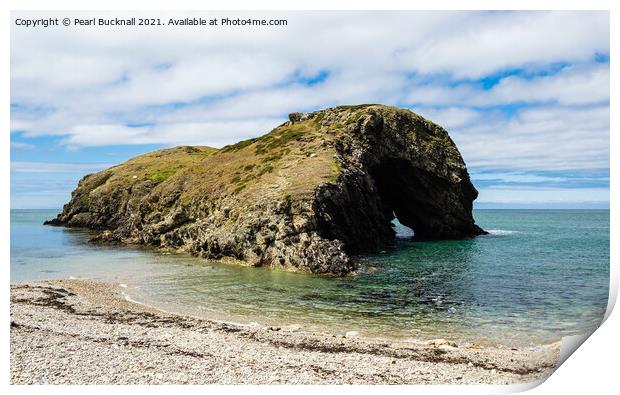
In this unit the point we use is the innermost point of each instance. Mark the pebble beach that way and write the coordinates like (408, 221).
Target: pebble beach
(86, 332)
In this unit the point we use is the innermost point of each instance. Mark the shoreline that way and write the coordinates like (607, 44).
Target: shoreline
(301, 327)
(82, 331)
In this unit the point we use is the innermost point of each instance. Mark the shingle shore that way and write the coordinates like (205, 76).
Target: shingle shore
(85, 332)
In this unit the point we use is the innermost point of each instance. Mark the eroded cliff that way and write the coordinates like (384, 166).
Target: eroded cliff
(307, 196)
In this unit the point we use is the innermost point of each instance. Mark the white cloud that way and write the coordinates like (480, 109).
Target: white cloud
(550, 137)
(451, 118)
(208, 133)
(21, 145)
(191, 79)
(214, 86)
(46, 167)
(570, 86)
(513, 195)
(516, 177)
(491, 42)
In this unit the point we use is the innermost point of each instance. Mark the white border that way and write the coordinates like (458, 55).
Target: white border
(592, 369)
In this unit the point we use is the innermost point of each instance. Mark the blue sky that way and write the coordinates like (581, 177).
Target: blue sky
(525, 95)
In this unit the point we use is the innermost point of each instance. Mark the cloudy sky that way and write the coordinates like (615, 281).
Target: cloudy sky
(525, 95)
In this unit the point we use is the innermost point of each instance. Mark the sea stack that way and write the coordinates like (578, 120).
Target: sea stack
(307, 196)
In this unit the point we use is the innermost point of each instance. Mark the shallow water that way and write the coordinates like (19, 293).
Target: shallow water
(539, 275)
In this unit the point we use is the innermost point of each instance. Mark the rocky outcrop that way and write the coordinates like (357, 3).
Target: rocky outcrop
(307, 196)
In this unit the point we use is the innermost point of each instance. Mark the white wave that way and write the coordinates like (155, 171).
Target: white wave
(402, 232)
(501, 232)
(131, 300)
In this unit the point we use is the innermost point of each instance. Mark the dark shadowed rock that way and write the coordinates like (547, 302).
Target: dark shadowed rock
(306, 196)
(295, 116)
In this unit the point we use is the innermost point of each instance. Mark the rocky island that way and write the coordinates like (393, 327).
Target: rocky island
(307, 196)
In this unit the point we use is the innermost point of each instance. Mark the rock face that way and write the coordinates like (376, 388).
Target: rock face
(307, 196)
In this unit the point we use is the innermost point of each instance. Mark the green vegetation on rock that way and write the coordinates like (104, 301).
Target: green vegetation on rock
(162, 175)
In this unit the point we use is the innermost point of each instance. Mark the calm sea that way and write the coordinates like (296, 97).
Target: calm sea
(540, 275)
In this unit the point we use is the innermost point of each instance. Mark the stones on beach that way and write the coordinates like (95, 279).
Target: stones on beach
(291, 328)
(254, 325)
(441, 343)
(351, 334)
(83, 332)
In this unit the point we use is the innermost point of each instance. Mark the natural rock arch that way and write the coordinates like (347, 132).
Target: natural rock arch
(419, 201)
(307, 196)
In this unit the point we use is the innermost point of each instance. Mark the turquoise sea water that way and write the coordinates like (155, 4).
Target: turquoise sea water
(539, 275)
